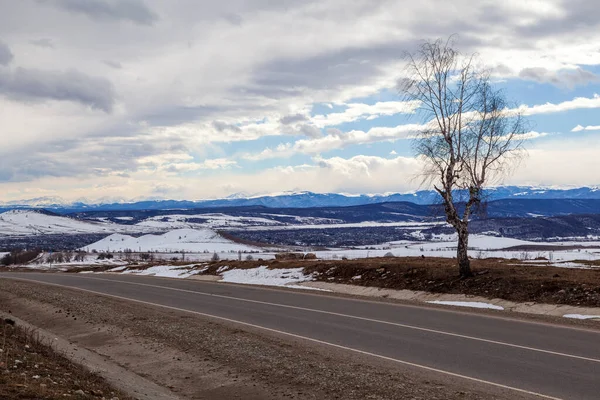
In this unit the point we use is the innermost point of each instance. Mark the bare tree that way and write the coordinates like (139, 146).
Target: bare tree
(470, 136)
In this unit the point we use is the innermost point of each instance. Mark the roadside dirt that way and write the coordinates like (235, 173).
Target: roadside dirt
(201, 359)
(30, 368)
(494, 278)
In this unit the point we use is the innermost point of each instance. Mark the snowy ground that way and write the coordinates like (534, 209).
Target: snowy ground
(270, 277)
(25, 223)
(481, 246)
(580, 316)
(472, 304)
(200, 243)
(179, 240)
(216, 220)
(165, 271)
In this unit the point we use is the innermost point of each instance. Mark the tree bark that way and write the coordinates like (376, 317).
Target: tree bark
(464, 264)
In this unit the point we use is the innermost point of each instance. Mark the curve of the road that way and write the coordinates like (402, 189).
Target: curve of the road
(547, 361)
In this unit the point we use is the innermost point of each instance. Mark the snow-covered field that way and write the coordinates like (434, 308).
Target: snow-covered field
(194, 236)
(179, 240)
(25, 223)
(480, 246)
(217, 220)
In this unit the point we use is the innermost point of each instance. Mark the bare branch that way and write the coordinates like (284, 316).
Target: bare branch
(471, 135)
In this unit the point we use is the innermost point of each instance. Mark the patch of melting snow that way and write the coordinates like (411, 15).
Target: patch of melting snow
(580, 316)
(165, 271)
(473, 304)
(118, 269)
(571, 265)
(270, 277)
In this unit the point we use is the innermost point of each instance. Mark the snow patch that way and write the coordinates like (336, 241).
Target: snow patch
(165, 271)
(262, 275)
(580, 316)
(472, 304)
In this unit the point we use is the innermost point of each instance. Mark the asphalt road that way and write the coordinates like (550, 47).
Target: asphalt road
(547, 360)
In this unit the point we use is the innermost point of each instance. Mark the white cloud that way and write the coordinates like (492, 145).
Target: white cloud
(337, 139)
(580, 128)
(575, 104)
(167, 72)
(356, 111)
(393, 153)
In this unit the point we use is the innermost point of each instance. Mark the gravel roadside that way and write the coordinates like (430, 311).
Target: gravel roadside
(198, 358)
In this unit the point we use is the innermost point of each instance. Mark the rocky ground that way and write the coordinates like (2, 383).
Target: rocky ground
(31, 369)
(198, 358)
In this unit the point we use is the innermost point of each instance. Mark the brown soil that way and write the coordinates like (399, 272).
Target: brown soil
(31, 369)
(494, 278)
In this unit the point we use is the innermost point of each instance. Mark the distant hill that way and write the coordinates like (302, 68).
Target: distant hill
(305, 200)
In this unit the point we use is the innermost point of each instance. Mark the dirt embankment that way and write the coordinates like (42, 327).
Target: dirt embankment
(494, 278)
(31, 369)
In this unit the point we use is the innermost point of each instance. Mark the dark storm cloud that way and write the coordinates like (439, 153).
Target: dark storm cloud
(564, 78)
(24, 84)
(129, 10)
(6, 55)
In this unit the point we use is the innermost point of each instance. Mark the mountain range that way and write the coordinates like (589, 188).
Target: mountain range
(300, 200)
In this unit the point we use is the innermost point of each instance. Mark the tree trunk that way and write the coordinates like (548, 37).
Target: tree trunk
(464, 264)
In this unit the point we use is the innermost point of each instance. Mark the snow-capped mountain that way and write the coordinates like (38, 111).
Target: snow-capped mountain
(303, 200)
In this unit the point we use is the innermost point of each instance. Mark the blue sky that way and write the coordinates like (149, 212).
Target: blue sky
(107, 100)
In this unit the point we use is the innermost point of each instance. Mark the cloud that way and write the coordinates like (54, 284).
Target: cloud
(6, 56)
(43, 42)
(128, 10)
(213, 164)
(530, 135)
(580, 128)
(113, 64)
(248, 65)
(367, 165)
(356, 111)
(393, 153)
(569, 78)
(290, 119)
(36, 85)
(310, 131)
(336, 139)
(575, 104)
(218, 163)
(233, 18)
(224, 126)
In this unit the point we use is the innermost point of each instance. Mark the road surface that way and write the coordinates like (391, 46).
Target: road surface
(545, 360)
